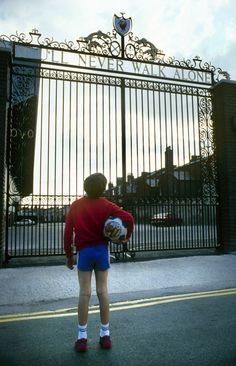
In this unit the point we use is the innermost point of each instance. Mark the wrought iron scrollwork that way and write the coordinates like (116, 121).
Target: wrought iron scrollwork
(142, 49)
(111, 44)
(48, 200)
(100, 43)
(207, 151)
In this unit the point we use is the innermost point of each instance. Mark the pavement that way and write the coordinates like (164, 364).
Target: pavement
(44, 284)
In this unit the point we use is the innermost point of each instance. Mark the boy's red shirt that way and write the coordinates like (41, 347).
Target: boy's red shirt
(85, 222)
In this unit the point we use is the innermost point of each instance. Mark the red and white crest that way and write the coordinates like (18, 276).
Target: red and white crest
(122, 25)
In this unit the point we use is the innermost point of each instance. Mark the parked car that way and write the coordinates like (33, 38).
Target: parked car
(166, 219)
(24, 222)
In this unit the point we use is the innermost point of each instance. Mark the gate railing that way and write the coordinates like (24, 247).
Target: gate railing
(112, 103)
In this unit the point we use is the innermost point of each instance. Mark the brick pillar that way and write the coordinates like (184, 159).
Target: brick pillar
(224, 116)
(5, 57)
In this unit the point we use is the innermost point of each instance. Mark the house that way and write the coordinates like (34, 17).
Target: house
(170, 181)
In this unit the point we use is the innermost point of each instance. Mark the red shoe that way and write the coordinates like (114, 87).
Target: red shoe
(81, 345)
(105, 342)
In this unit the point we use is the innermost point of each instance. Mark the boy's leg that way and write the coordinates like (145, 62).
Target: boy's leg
(84, 296)
(102, 293)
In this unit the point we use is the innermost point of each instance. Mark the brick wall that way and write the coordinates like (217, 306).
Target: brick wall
(224, 115)
(4, 92)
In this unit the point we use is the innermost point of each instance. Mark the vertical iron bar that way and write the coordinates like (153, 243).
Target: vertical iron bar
(136, 129)
(149, 165)
(116, 134)
(109, 131)
(148, 132)
(143, 142)
(178, 165)
(90, 129)
(130, 133)
(41, 238)
(122, 46)
(123, 137)
(62, 147)
(137, 165)
(35, 208)
(183, 157)
(48, 163)
(76, 138)
(196, 176)
(173, 190)
(161, 159)
(83, 166)
(70, 140)
(96, 123)
(103, 131)
(154, 130)
(55, 169)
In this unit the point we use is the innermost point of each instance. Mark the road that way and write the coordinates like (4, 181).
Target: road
(194, 329)
(47, 238)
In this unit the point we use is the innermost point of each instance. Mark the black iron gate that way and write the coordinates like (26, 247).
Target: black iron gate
(117, 106)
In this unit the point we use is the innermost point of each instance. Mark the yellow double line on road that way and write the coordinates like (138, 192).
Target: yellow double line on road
(117, 306)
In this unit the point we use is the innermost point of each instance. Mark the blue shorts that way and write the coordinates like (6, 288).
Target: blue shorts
(95, 257)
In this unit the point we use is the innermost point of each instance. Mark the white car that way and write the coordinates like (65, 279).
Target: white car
(24, 222)
(166, 219)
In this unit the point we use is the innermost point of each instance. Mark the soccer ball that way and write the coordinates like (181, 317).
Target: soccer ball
(114, 229)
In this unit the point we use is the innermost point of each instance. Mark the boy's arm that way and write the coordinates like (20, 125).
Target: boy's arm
(126, 217)
(70, 262)
(68, 235)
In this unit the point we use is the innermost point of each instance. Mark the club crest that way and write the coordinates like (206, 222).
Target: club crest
(122, 25)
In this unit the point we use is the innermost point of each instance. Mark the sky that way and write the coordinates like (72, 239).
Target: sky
(181, 28)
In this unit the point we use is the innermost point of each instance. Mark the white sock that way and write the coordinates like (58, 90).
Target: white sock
(104, 330)
(82, 331)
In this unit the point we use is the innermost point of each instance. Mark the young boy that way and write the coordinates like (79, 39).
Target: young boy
(86, 218)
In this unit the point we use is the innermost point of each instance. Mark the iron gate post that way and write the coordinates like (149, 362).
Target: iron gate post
(224, 112)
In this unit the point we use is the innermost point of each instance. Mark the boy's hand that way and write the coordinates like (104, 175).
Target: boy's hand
(124, 241)
(70, 262)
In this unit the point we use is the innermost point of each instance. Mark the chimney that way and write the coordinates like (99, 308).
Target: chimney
(169, 160)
